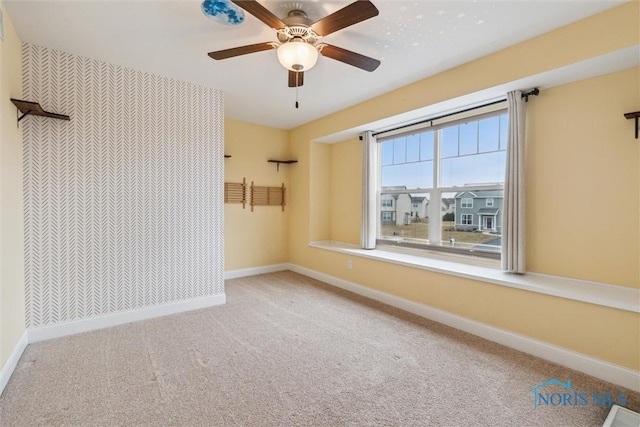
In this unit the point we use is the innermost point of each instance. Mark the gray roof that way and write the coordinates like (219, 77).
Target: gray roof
(488, 211)
(482, 194)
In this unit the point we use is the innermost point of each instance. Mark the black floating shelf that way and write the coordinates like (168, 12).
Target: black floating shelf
(34, 109)
(284, 162)
(635, 115)
(226, 156)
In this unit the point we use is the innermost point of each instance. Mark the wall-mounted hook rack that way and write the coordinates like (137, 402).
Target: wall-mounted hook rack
(267, 196)
(635, 115)
(33, 108)
(236, 192)
(284, 162)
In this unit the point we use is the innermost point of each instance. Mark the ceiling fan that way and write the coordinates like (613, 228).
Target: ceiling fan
(299, 43)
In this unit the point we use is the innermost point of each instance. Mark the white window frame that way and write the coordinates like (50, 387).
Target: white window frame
(434, 194)
(490, 202)
(468, 217)
(466, 203)
(384, 205)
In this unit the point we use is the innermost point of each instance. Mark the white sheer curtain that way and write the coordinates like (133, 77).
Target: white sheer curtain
(513, 219)
(369, 189)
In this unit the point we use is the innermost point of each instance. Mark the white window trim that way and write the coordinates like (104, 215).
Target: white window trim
(603, 294)
(466, 203)
(492, 202)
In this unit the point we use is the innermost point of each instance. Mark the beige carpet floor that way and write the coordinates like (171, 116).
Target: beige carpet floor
(287, 350)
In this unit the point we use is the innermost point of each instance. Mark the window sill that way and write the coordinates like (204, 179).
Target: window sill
(620, 297)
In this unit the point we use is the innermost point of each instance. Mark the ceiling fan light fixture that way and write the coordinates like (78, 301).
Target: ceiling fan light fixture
(297, 55)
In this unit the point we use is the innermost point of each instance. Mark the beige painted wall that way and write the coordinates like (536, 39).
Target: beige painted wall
(261, 237)
(12, 310)
(320, 187)
(581, 160)
(346, 191)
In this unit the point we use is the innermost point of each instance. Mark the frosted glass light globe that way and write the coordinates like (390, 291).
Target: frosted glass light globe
(297, 55)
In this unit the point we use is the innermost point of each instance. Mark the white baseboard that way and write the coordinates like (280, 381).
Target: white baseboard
(245, 272)
(607, 371)
(32, 335)
(99, 322)
(11, 363)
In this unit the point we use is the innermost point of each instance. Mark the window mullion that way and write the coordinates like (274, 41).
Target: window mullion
(378, 195)
(436, 159)
(435, 234)
(435, 195)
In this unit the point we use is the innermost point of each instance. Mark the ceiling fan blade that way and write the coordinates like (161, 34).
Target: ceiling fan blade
(296, 79)
(260, 12)
(242, 50)
(348, 57)
(356, 12)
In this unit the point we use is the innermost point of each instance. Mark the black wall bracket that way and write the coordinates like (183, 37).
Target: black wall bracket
(635, 115)
(533, 92)
(286, 162)
(33, 108)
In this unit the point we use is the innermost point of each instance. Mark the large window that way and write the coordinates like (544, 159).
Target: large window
(448, 185)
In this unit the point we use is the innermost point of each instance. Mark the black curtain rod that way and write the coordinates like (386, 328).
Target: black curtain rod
(525, 95)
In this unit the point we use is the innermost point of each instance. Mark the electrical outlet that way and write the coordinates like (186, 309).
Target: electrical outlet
(349, 265)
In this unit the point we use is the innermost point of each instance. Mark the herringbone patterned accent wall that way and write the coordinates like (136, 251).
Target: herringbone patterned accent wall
(124, 203)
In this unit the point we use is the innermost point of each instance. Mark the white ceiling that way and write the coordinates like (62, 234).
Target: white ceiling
(413, 39)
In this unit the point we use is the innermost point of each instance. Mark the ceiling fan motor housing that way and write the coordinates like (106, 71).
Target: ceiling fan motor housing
(298, 25)
(297, 17)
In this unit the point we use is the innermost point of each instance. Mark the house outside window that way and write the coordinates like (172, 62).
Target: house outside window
(399, 202)
(439, 172)
(486, 216)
